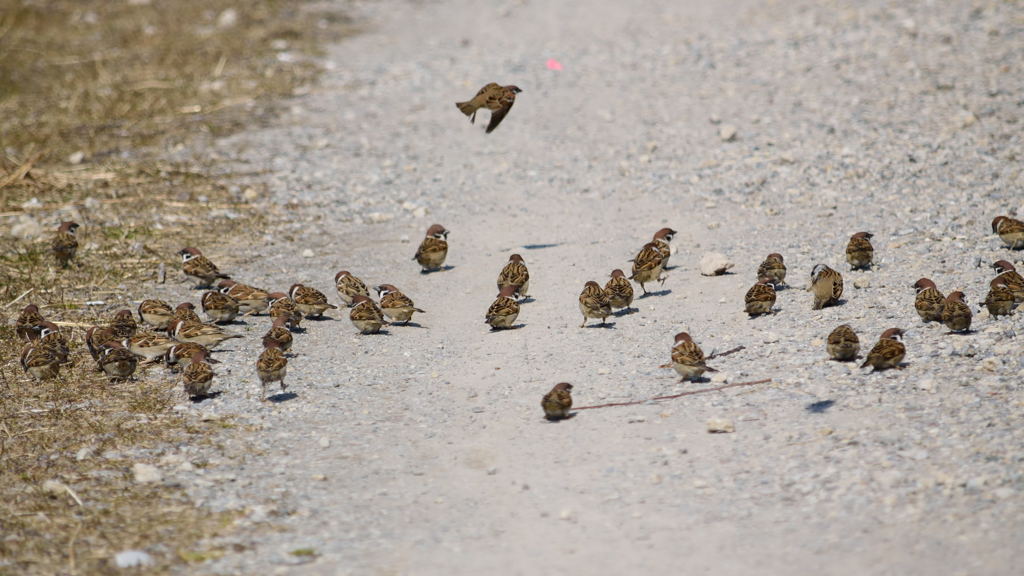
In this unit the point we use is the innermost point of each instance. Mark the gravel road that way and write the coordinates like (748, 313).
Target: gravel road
(749, 127)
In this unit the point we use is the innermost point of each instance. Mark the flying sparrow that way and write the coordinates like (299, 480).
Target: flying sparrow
(662, 238)
(65, 245)
(1013, 280)
(148, 345)
(271, 367)
(557, 402)
(365, 315)
(516, 275)
(198, 375)
(859, 252)
(395, 305)
(97, 338)
(773, 268)
(688, 358)
(619, 290)
(279, 335)
(760, 298)
(594, 303)
(123, 324)
(889, 351)
(40, 361)
(156, 313)
(208, 335)
(956, 314)
(504, 310)
(434, 249)
(309, 301)
(186, 311)
(827, 286)
(498, 99)
(219, 307)
(843, 344)
(349, 286)
(26, 326)
(929, 301)
(282, 305)
(179, 356)
(1010, 230)
(194, 264)
(1000, 298)
(118, 363)
(250, 300)
(647, 265)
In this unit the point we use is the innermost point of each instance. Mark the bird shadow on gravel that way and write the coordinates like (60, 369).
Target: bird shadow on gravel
(819, 407)
(499, 330)
(606, 325)
(624, 312)
(664, 292)
(410, 325)
(540, 246)
(282, 397)
(203, 397)
(444, 268)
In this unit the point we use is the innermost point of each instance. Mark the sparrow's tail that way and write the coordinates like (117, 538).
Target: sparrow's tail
(465, 107)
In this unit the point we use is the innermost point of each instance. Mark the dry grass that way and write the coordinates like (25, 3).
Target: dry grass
(115, 84)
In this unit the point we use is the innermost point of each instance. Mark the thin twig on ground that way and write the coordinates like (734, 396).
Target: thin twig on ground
(726, 353)
(673, 396)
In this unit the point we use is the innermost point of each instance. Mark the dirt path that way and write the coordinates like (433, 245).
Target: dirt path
(423, 451)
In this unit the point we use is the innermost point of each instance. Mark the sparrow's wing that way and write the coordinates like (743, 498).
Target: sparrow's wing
(498, 115)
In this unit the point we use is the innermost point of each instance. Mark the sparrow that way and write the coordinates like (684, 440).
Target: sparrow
(26, 326)
(51, 337)
(208, 335)
(956, 314)
(497, 99)
(760, 298)
(123, 324)
(117, 362)
(156, 313)
(434, 249)
(929, 301)
(889, 351)
(1010, 230)
(365, 315)
(504, 310)
(148, 345)
(250, 300)
(271, 367)
(619, 290)
(279, 335)
(557, 402)
(648, 264)
(516, 275)
(773, 268)
(179, 356)
(1000, 298)
(843, 344)
(39, 361)
(827, 286)
(395, 305)
(309, 301)
(349, 286)
(859, 252)
(65, 245)
(594, 303)
(219, 307)
(662, 238)
(198, 375)
(1013, 280)
(194, 264)
(186, 311)
(688, 358)
(282, 305)
(97, 338)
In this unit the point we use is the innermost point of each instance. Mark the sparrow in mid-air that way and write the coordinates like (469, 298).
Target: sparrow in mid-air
(198, 375)
(366, 315)
(760, 298)
(1009, 276)
(123, 324)
(279, 335)
(156, 313)
(310, 302)
(219, 307)
(557, 402)
(594, 303)
(516, 275)
(826, 285)
(504, 310)
(349, 286)
(929, 301)
(26, 326)
(843, 344)
(271, 367)
(619, 290)
(688, 358)
(197, 266)
(773, 268)
(250, 300)
(64, 244)
(1010, 230)
(117, 362)
(956, 314)
(999, 300)
(859, 251)
(434, 249)
(888, 352)
(498, 99)
(648, 265)
(395, 305)
(662, 238)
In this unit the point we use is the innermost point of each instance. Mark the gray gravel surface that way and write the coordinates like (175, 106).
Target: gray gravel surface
(750, 127)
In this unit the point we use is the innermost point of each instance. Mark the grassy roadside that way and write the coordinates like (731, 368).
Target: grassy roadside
(92, 96)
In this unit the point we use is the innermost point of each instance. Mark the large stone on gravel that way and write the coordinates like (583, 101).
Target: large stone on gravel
(714, 264)
(720, 426)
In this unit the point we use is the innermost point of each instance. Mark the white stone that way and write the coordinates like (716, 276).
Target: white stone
(133, 559)
(146, 473)
(720, 425)
(76, 157)
(727, 132)
(307, 253)
(860, 283)
(227, 18)
(325, 442)
(714, 264)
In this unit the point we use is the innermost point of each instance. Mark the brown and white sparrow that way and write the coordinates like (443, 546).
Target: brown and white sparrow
(1010, 230)
(648, 265)
(773, 268)
(123, 324)
(619, 290)
(859, 251)
(516, 275)
(198, 375)
(557, 402)
(826, 285)
(282, 306)
(179, 356)
(395, 305)
(888, 352)
(434, 249)
(310, 302)
(494, 97)
(28, 322)
(186, 311)
(366, 315)
(929, 301)
(64, 244)
(760, 298)
(843, 344)
(117, 362)
(279, 335)
(51, 337)
(39, 361)
(999, 300)
(271, 367)
(96, 338)
(663, 238)
(148, 345)
(208, 335)
(1009, 276)
(594, 303)
(956, 314)
(504, 310)
(348, 286)
(197, 266)
(688, 359)
(155, 313)
(219, 307)
(250, 300)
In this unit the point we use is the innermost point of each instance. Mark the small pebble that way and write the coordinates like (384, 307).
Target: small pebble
(133, 559)
(720, 426)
